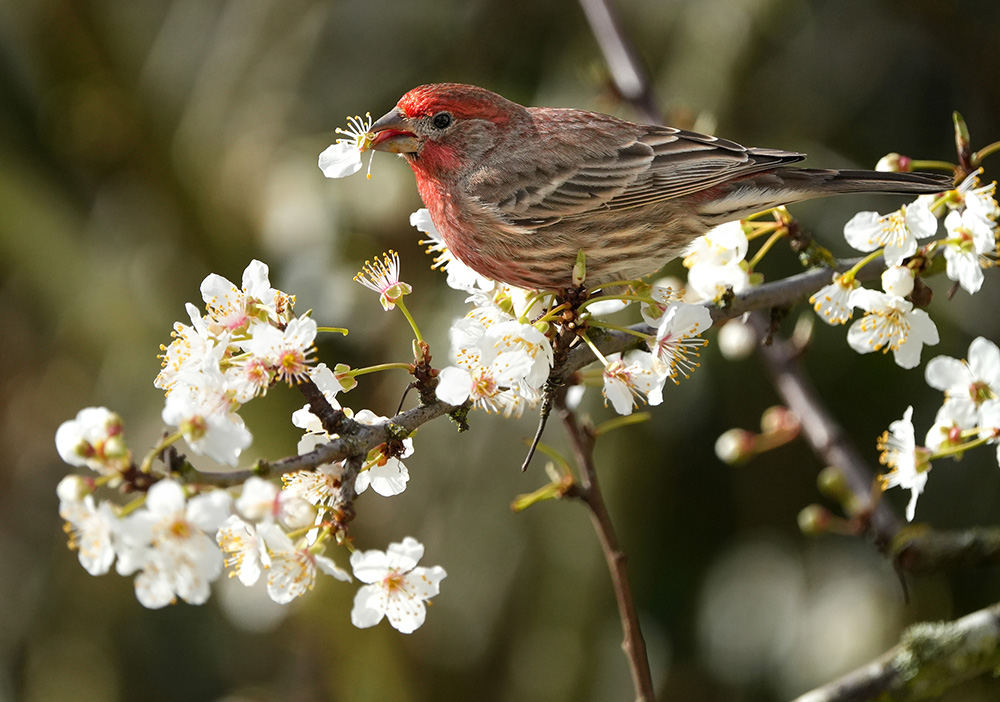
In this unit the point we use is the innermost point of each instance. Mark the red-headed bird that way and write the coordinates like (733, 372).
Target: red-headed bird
(516, 192)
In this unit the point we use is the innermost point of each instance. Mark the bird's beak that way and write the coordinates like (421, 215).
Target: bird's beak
(392, 135)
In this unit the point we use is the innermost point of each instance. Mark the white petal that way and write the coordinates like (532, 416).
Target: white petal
(340, 160)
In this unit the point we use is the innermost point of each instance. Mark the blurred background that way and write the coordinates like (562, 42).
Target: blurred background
(146, 144)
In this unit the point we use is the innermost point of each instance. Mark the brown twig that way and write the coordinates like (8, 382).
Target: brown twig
(589, 492)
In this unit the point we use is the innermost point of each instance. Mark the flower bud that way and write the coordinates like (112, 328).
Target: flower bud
(895, 163)
(736, 340)
(814, 520)
(72, 488)
(735, 446)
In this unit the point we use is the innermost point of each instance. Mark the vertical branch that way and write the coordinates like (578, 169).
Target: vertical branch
(626, 69)
(589, 491)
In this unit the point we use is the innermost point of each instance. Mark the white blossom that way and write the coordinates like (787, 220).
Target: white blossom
(396, 587)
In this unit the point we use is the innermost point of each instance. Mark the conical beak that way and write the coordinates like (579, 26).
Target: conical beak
(392, 134)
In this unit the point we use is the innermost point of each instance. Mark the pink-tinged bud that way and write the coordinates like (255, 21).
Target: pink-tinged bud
(780, 420)
(814, 520)
(896, 163)
(736, 446)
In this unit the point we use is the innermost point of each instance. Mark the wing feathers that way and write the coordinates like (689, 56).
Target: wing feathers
(628, 170)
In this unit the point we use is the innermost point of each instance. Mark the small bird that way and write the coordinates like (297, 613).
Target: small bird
(516, 192)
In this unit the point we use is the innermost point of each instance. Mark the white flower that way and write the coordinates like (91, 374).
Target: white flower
(951, 420)
(664, 295)
(631, 376)
(712, 282)
(508, 336)
(247, 555)
(970, 237)
(891, 323)
(970, 383)
(833, 302)
(232, 309)
(488, 387)
(386, 475)
(396, 587)
(340, 160)
(897, 231)
(91, 530)
(169, 542)
(202, 407)
(288, 351)
(344, 157)
(263, 501)
(292, 570)
(677, 337)
(460, 276)
(722, 246)
(94, 439)
(898, 281)
(908, 462)
(383, 278)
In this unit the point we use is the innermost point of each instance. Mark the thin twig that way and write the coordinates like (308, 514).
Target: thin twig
(589, 491)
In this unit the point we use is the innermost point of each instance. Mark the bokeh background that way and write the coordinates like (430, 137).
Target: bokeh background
(146, 144)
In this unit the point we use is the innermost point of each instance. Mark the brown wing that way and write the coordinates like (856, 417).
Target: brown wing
(589, 167)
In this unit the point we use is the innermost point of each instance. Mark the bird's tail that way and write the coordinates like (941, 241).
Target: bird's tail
(786, 185)
(837, 181)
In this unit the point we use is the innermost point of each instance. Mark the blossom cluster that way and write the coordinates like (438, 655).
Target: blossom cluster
(892, 321)
(969, 417)
(178, 538)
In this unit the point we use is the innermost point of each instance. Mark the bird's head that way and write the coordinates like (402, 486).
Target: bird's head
(442, 128)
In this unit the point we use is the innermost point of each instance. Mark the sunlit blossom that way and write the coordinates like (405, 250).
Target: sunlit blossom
(897, 231)
(396, 588)
(383, 277)
(907, 462)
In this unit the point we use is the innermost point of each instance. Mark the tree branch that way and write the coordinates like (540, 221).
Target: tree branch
(930, 658)
(589, 491)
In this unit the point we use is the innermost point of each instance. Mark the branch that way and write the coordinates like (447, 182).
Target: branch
(930, 658)
(589, 491)
(919, 549)
(824, 434)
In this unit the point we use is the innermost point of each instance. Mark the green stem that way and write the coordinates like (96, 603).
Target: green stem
(409, 318)
(147, 463)
(959, 449)
(766, 246)
(354, 372)
(593, 348)
(862, 263)
(989, 150)
(932, 165)
(334, 330)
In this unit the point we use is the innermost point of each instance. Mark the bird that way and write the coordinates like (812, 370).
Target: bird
(517, 192)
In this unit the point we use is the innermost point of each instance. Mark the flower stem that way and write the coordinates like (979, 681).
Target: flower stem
(597, 352)
(147, 463)
(334, 330)
(409, 318)
(354, 372)
(932, 165)
(779, 232)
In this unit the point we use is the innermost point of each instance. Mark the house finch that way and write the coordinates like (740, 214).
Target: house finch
(516, 192)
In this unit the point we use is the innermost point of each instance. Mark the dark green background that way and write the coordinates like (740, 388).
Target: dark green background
(146, 144)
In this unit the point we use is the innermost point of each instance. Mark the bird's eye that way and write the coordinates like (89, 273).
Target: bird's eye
(442, 120)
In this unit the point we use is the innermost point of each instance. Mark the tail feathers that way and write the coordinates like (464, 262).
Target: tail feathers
(784, 186)
(836, 181)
